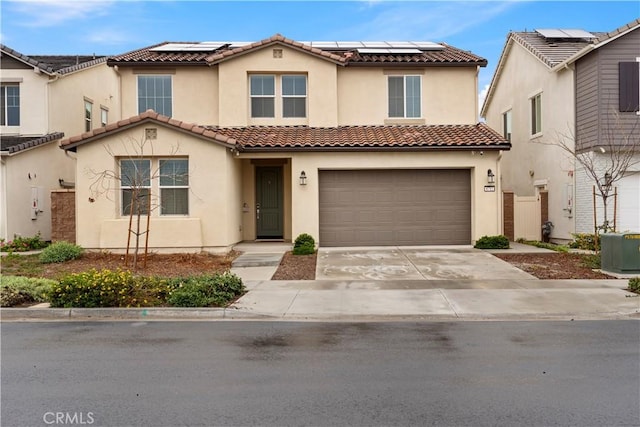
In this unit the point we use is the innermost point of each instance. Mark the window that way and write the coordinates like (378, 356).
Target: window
(294, 96)
(154, 93)
(506, 125)
(405, 96)
(174, 187)
(141, 178)
(104, 116)
(536, 114)
(10, 105)
(135, 182)
(88, 110)
(629, 86)
(263, 93)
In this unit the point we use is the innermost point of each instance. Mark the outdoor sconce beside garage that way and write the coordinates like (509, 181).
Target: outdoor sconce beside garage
(303, 178)
(491, 177)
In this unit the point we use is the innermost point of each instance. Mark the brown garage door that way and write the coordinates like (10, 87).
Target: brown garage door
(395, 207)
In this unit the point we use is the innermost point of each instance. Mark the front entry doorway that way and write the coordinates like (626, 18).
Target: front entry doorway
(269, 202)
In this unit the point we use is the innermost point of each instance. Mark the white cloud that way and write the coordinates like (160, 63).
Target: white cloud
(110, 37)
(429, 20)
(49, 13)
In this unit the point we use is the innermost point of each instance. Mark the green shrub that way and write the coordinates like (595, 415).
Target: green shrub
(119, 288)
(216, 290)
(304, 244)
(544, 245)
(585, 241)
(31, 289)
(22, 244)
(492, 242)
(634, 285)
(60, 252)
(108, 288)
(591, 261)
(10, 297)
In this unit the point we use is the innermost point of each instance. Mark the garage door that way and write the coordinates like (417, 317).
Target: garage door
(629, 203)
(395, 207)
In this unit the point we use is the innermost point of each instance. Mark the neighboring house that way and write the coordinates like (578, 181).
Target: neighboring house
(42, 99)
(355, 143)
(573, 86)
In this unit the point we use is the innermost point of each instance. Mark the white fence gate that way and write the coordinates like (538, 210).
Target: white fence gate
(527, 222)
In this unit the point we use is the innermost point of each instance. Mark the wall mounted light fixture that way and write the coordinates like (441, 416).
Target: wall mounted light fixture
(303, 178)
(491, 177)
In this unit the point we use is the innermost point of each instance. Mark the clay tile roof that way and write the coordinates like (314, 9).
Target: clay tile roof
(14, 144)
(448, 56)
(146, 56)
(372, 138)
(276, 38)
(147, 116)
(61, 64)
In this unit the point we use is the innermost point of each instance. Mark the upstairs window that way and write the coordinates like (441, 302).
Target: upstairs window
(536, 114)
(506, 125)
(629, 86)
(263, 95)
(294, 96)
(104, 116)
(88, 112)
(10, 105)
(154, 93)
(405, 96)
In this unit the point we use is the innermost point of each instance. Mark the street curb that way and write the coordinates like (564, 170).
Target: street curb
(110, 314)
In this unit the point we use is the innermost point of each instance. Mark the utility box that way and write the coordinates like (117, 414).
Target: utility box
(620, 253)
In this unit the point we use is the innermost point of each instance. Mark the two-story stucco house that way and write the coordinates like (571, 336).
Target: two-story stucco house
(576, 87)
(42, 98)
(355, 143)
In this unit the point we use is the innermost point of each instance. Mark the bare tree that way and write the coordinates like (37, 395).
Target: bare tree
(132, 178)
(607, 161)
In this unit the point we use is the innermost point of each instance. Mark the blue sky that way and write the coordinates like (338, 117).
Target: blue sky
(49, 27)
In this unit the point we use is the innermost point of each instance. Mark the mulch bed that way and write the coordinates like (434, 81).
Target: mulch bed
(296, 267)
(556, 265)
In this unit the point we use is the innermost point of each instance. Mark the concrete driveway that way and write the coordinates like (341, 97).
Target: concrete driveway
(413, 263)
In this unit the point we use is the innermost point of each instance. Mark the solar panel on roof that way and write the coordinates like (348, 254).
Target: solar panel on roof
(555, 33)
(388, 51)
(188, 47)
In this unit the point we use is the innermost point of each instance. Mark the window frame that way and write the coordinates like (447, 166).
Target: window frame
(262, 96)
(155, 96)
(5, 107)
(104, 116)
(151, 184)
(88, 115)
(172, 187)
(629, 86)
(535, 105)
(405, 97)
(507, 124)
(293, 96)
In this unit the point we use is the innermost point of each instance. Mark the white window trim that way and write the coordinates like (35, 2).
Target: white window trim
(163, 74)
(283, 96)
(104, 110)
(17, 83)
(275, 91)
(404, 95)
(502, 116)
(88, 121)
(540, 132)
(153, 187)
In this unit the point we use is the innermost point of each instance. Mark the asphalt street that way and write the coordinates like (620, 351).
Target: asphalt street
(582, 373)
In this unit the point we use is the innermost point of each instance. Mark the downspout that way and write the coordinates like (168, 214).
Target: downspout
(56, 76)
(3, 198)
(117, 70)
(500, 215)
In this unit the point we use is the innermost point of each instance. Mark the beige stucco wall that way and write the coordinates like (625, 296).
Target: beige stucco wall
(213, 177)
(39, 167)
(33, 102)
(537, 163)
(194, 92)
(98, 84)
(321, 87)
(449, 95)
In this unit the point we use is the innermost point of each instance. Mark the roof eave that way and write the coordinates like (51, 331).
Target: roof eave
(112, 63)
(418, 64)
(494, 147)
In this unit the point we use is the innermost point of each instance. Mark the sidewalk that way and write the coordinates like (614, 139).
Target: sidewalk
(519, 297)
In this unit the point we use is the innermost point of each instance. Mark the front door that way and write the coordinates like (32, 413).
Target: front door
(269, 201)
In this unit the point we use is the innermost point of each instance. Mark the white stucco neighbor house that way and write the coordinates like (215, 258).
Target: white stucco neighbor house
(355, 143)
(42, 98)
(575, 86)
